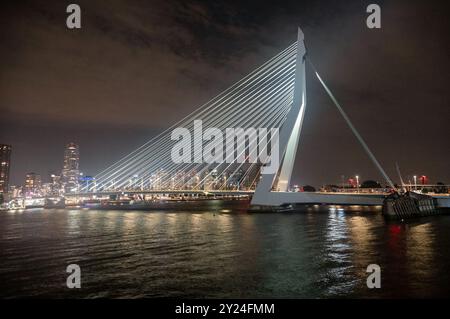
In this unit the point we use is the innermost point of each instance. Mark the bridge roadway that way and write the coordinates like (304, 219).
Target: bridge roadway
(161, 192)
(325, 198)
(339, 198)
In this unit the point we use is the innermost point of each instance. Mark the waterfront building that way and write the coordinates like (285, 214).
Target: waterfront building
(56, 187)
(71, 173)
(46, 189)
(5, 163)
(15, 191)
(32, 186)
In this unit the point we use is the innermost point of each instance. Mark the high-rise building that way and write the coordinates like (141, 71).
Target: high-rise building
(71, 173)
(32, 185)
(5, 162)
(54, 187)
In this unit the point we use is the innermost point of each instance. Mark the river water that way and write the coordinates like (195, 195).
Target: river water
(222, 252)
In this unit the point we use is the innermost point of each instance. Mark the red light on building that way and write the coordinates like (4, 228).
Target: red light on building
(423, 179)
(352, 182)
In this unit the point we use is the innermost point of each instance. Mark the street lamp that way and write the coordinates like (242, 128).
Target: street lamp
(415, 182)
(357, 183)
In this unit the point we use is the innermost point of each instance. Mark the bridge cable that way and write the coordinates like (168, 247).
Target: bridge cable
(145, 152)
(349, 123)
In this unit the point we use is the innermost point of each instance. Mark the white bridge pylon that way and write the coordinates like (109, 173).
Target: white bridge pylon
(272, 190)
(289, 133)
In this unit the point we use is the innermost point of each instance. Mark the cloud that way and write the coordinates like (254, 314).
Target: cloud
(126, 68)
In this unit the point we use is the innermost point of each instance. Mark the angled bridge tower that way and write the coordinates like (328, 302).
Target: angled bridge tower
(273, 189)
(289, 135)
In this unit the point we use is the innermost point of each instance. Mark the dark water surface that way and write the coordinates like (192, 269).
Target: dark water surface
(221, 253)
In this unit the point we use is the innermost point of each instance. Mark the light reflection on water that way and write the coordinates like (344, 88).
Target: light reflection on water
(222, 251)
(338, 254)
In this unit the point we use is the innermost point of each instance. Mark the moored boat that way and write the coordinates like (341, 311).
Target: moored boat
(409, 205)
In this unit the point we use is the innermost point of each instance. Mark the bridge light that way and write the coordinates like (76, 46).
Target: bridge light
(357, 183)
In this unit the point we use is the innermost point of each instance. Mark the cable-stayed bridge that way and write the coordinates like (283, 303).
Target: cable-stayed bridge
(266, 108)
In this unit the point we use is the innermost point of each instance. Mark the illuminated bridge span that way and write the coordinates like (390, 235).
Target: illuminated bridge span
(272, 96)
(186, 192)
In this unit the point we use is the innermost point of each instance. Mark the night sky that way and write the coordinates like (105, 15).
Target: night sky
(136, 67)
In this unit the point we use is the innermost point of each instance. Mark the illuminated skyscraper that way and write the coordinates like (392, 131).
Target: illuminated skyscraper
(32, 184)
(5, 162)
(71, 173)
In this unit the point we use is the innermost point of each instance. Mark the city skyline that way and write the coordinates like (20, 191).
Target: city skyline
(142, 64)
(71, 177)
(65, 179)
